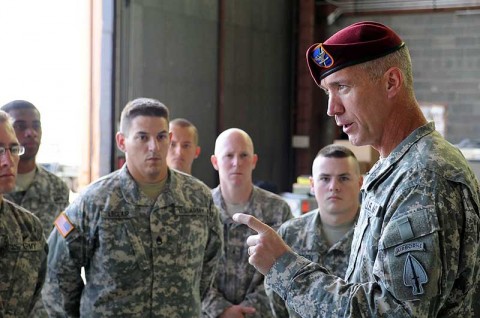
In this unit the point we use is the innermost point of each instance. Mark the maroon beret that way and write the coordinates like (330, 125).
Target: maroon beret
(355, 44)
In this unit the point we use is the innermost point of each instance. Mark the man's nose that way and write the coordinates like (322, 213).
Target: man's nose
(334, 106)
(334, 185)
(31, 132)
(153, 144)
(236, 161)
(7, 160)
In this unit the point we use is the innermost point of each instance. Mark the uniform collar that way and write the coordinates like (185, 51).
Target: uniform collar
(383, 166)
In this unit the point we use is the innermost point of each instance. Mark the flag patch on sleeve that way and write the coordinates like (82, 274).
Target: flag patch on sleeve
(63, 225)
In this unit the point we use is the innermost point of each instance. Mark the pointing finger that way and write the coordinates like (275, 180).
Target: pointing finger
(251, 222)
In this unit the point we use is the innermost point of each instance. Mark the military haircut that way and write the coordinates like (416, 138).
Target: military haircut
(400, 58)
(4, 117)
(337, 151)
(6, 121)
(185, 123)
(18, 104)
(141, 107)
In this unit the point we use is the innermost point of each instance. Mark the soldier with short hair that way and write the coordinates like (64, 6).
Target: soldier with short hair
(23, 250)
(324, 235)
(148, 236)
(37, 189)
(184, 148)
(416, 247)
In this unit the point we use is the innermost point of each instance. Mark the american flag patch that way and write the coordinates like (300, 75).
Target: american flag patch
(63, 225)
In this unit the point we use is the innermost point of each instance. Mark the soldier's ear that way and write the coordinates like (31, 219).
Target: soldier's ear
(214, 162)
(120, 138)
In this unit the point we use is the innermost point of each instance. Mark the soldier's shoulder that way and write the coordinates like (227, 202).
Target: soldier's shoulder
(182, 181)
(270, 196)
(23, 214)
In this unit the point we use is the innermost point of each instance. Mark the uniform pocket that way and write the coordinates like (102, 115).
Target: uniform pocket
(121, 252)
(193, 234)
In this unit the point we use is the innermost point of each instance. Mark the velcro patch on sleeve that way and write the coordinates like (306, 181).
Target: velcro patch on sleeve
(63, 225)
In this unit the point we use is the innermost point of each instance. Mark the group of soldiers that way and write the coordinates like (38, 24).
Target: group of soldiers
(154, 241)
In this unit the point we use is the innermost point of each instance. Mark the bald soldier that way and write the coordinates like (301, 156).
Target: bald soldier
(415, 251)
(238, 290)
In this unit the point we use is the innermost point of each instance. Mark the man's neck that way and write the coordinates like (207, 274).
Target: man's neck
(236, 194)
(399, 127)
(26, 166)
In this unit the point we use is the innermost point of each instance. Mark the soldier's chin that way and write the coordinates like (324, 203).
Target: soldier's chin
(28, 155)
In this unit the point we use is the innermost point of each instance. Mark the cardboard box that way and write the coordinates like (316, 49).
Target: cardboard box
(366, 155)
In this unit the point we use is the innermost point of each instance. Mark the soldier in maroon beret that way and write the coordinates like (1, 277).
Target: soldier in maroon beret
(416, 251)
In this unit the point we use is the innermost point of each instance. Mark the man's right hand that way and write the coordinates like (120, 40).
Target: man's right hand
(265, 247)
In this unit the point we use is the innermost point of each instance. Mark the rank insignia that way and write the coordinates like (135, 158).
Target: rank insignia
(414, 275)
(321, 57)
(63, 225)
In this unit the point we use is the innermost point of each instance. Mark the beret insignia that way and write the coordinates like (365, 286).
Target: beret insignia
(321, 57)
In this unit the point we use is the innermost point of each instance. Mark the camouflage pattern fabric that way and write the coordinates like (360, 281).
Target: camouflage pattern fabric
(238, 282)
(46, 197)
(23, 259)
(142, 258)
(415, 251)
(304, 235)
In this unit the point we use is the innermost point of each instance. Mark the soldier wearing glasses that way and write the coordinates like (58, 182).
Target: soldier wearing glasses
(23, 249)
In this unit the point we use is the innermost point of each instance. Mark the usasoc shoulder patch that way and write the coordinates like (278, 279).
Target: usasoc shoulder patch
(414, 275)
(64, 225)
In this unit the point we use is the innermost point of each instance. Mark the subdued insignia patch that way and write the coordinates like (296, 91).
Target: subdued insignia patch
(321, 57)
(63, 225)
(414, 275)
(409, 247)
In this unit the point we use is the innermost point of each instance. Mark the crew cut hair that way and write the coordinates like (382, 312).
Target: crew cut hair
(141, 107)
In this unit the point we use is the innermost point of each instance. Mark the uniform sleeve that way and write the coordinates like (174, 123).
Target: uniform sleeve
(63, 286)
(41, 279)
(277, 304)
(416, 266)
(257, 296)
(214, 303)
(286, 212)
(213, 251)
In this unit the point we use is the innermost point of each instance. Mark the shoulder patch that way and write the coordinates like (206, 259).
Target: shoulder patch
(414, 275)
(63, 225)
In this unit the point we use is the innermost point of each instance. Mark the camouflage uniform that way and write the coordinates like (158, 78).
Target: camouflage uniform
(237, 282)
(415, 251)
(23, 258)
(46, 197)
(142, 258)
(304, 235)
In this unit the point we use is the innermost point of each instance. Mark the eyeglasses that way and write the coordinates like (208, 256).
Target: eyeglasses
(16, 150)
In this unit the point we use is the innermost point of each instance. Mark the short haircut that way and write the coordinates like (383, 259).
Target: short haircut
(337, 151)
(6, 120)
(400, 58)
(18, 104)
(4, 117)
(185, 123)
(141, 107)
